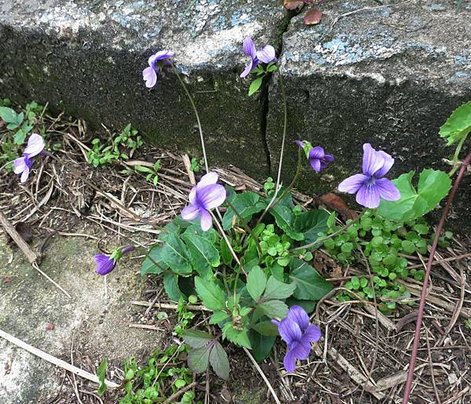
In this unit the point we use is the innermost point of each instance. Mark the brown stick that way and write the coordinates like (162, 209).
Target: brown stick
(423, 296)
(31, 256)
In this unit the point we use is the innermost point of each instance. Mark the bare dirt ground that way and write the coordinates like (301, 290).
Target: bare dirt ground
(73, 210)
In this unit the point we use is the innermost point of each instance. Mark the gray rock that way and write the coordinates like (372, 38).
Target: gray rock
(91, 324)
(386, 75)
(88, 57)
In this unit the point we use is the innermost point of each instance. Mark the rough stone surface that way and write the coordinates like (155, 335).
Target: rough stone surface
(386, 75)
(95, 326)
(88, 57)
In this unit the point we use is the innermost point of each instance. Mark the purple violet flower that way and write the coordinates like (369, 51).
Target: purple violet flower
(149, 74)
(105, 263)
(298, 333)
(370, 187)
(317, 157)
(265, 55)
(206, 195)
(22, 165)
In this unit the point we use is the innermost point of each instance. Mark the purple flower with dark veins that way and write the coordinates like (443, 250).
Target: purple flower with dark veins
(206, 195)
(105, 263)
(298, 333)
(156, 61)
(370, 187)
(265, 55)
(22, 165)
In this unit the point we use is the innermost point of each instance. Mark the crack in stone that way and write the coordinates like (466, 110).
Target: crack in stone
(265, 92)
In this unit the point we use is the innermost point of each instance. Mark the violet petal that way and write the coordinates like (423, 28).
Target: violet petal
(352, 184)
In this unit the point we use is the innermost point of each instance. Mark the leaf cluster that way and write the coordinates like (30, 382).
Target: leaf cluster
(385, 244)
(19, 126)
(244, 295)
(120, 147)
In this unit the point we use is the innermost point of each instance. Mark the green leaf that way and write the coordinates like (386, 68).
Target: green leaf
(174, 255)
(311, 223)
(196, 338)
(238, 337)
(226, 254)
(285, 219)
(274, 308)
(218, 317)
(204, 256)
(219, 361)
(153, 263)
(246, 204)
(458, 125)
(101, 373)
(171, 286)
(10, 116)
(266, 328)
(261, 345)
(255, 85)
(309, 284)
(212, 296)
(198, 359)
(256, 282)
(278, 290)
(433, 186)
(307, 305)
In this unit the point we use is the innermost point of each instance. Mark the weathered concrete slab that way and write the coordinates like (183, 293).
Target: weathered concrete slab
(387, 75)
(92, 324)
(88, 57)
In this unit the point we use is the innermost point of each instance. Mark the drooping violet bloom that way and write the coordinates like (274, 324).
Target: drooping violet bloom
(370, 187)
(105, 263)
(265, 55)
(298, 333)
(206, 195)
(22, 165)
(317, 157)
(149, 74)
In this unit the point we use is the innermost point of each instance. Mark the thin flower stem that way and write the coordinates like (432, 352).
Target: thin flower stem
(283, 139)
(295, 178)
(223, 234)
(192, 102)
(221, 230)
(242, 221)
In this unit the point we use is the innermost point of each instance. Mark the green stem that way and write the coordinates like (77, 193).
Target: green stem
(291, 185)
(456, 156)
(192, 102)
(223, 234)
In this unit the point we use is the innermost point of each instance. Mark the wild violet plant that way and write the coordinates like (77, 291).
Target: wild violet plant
(247, 256)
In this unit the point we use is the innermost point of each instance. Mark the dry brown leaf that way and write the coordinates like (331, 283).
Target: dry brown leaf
(313, 17)
(292, 4)
(335, 202)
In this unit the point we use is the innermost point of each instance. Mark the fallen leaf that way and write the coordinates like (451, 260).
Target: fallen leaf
(335, 202)
(49, 326)
(292, 4)
(313, 17)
